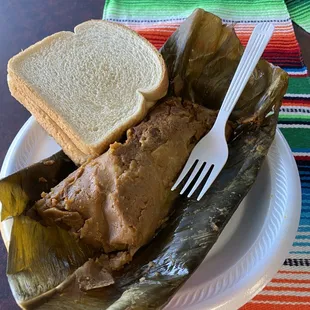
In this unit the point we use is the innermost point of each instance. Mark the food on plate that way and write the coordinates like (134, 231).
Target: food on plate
(87, 253)
(86, 88)
(118, 200)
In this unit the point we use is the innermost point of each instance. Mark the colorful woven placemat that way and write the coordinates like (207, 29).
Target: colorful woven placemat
(300, 12)
(156, 20)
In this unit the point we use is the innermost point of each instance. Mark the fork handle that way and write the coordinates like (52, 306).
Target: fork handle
(252, 53)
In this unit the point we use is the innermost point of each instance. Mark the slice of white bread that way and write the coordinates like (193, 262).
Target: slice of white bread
(47, 123)
(92, 84)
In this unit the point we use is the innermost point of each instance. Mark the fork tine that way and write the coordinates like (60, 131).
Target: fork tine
(184, 172)
(192, 176)
(214, 173)
(201, 177)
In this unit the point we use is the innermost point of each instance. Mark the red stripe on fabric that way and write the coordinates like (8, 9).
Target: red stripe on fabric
(283, 52)
(282, 43)
(157, 35)
(275, 40)
(298, 75)
(296, 61)
(302, 157)
(286, 65)
(296, 100)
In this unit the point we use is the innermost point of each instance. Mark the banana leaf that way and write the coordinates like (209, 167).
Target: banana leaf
(201, 58)
(20, 190)
(42, 256)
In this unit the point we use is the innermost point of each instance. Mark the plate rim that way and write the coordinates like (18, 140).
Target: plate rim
(246, 294)
(229, 299)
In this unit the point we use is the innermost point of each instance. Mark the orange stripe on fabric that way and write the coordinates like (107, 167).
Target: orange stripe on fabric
(282, 298)
(294, 272)
(289, 281)
(283, 288)
(292, 104)
(261, 306)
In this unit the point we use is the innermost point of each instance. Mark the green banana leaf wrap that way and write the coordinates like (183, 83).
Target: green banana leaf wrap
(201, 57)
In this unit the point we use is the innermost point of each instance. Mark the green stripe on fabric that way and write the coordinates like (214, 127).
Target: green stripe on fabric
(158, 9)
(299, 85)
(296, 117)
(297, 137)
(299, 11)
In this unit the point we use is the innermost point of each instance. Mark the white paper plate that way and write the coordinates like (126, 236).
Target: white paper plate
(250, 250)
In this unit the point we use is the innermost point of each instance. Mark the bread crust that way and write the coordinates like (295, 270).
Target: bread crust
(19, 92)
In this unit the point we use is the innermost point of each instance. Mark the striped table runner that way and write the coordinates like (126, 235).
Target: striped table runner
(300, 12)
(156, 20)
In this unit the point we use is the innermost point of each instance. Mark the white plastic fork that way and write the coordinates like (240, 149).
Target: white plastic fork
(212, 149)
